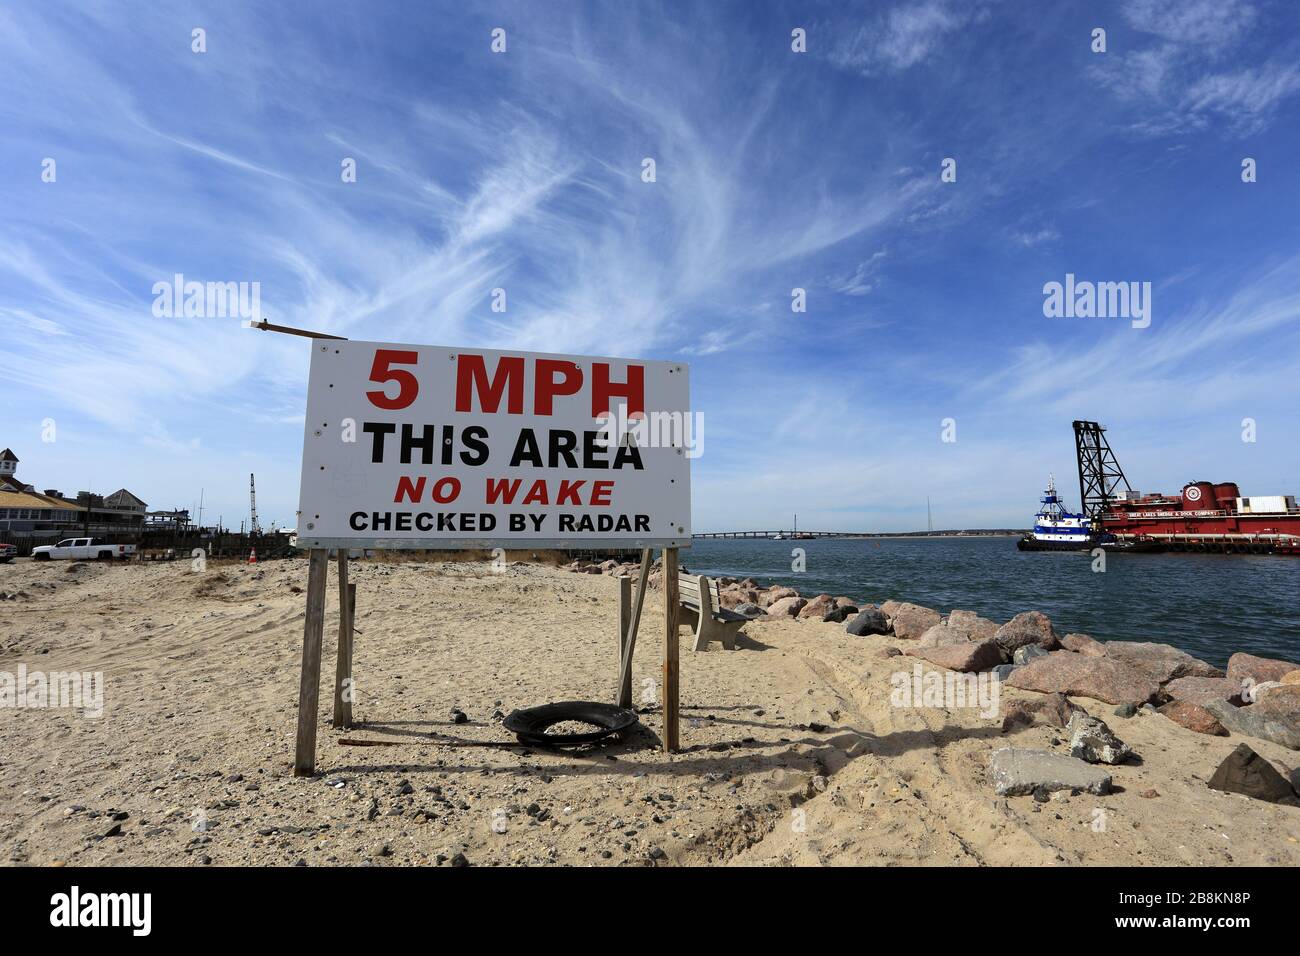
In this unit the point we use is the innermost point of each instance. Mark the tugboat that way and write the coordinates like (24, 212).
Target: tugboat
(1056, 529)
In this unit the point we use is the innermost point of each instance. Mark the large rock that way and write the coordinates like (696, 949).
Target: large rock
(1275, 718)
(969, 656)
(818, 607)
(942, 634)
(1246, 772)
(1161, 662)
(751, 611)
(975, 628)
(1101, 678)
(1251, 692)
(1193, 716)
(869, 620)
(1054, 710)
(843, 610)
(775, 593)
(734, 596)
(1259, 669)
(910, 621)
(1027, 653)
(1083, 644)
(1292, 678)
(1017, 772)
(1199, 690)
(1027, 627)
(1275, 692)
(786, 607)
(1093, 741)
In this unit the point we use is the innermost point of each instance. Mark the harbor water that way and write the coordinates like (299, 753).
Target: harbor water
(1208, 605)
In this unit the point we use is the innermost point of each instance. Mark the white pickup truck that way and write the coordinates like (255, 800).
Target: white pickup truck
(82, 549)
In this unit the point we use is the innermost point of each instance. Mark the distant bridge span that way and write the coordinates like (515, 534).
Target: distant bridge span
(806, 535)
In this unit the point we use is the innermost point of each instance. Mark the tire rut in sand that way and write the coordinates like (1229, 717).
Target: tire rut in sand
(911, 789)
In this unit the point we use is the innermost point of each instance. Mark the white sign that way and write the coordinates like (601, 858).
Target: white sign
(413, 446)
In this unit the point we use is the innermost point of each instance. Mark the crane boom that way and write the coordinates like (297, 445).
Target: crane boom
(254, 527)
(1099, 472)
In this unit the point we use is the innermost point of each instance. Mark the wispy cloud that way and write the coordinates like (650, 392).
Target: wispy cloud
(1211, 24)
(1035, 237)
(904, 35)
(864, 277)
(1190, 75)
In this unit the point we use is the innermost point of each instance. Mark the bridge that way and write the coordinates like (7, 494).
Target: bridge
(807, 535)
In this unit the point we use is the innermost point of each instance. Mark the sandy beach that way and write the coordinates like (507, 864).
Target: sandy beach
(792, 751)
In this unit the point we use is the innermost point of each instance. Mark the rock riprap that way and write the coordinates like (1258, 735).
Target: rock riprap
(1101, 678)
(869, 620)
(910, 621)
(1027, 627)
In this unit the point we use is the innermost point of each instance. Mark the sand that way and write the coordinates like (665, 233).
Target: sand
(195, 744)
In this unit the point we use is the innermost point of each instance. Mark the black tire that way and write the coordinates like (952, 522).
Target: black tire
(530, 725)
(105, 556)
(41, 557)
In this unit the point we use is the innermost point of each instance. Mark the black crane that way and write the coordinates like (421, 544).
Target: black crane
(1099, 472)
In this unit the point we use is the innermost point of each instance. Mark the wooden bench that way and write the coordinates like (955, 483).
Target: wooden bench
(703, 612)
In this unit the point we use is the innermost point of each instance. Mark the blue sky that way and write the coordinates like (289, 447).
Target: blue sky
(775, 170)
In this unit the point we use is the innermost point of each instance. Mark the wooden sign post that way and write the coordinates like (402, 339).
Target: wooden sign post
(623, 694)
(671, 699)
(343, 666)
(304, 760)
(629, 622)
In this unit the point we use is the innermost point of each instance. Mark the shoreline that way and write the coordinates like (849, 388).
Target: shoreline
(1207, 605)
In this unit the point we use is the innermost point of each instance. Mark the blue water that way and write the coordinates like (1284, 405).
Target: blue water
(1208, 605)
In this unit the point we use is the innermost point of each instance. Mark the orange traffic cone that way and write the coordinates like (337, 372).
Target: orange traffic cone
(252, 556)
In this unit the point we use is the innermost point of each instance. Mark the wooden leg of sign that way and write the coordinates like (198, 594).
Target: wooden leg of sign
(352, 630)
(304, 760)
(624, 622)
(343, 666)
(629, 634)
(671, 701)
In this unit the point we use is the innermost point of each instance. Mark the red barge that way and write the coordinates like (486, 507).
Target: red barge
(1204, 516)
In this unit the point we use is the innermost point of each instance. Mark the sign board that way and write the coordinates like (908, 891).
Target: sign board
(413, 446)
